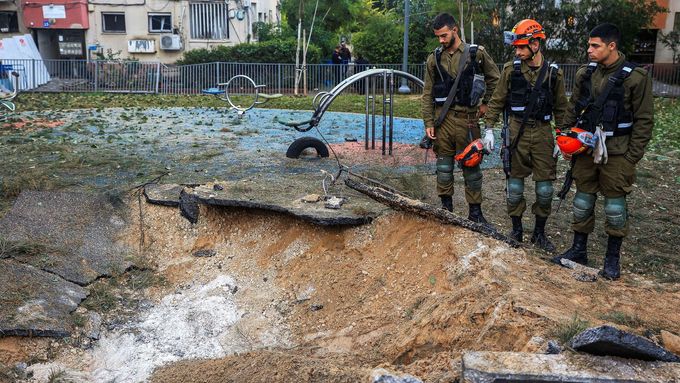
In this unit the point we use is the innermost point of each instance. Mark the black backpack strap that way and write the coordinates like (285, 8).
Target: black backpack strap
(438, 61)
(533, 97)
(586, 89)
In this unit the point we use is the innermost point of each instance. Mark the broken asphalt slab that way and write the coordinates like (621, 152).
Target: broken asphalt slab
(497, 367)
(608, 340)
(34, 302)
(78, 232)
(284, 195)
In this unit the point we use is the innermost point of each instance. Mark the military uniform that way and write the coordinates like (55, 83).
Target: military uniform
(460, 127)
(614, 179)
(627, 119)
(533, 154)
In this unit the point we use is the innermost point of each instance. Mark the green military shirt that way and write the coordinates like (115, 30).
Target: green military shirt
(450, 61)
(637, 98)
(502, 92)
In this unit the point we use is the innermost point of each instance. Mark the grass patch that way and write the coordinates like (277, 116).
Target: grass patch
(12, 249)
(102, 297)
(622, 318)
(567, 330)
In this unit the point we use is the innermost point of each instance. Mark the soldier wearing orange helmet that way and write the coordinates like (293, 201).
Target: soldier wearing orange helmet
(612, 99)
(531, 94)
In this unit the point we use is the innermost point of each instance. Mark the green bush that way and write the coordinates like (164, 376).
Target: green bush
(381, 40)
(271, 51)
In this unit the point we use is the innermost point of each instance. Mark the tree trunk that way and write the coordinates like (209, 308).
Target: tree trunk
(425, 210)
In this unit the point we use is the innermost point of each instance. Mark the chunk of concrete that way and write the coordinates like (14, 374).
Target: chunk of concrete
(188, 206)
(79, 232)
(608, 340)
(163, 194)
(581, 273)
(34, 302)
(515, 367)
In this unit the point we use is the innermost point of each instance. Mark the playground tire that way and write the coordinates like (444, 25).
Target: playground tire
(298, 146)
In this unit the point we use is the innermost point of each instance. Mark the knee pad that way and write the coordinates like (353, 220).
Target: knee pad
(584, 203)
(615, 212)
(473, 178)
(515, 191)
(544, 193)
(444, 169)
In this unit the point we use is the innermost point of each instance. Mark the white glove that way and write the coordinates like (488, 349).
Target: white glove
(488, 140)
(556, 151)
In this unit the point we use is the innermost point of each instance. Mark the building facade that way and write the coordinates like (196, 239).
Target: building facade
(147, 30)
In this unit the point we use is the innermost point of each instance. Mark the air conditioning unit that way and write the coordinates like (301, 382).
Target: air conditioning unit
(171, 42)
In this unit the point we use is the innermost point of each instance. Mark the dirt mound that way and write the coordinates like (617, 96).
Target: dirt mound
(403, 293)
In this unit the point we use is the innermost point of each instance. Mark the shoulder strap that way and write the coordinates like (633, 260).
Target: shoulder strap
(452, 92)
(438, 61)
(617, 79)
(533, 97)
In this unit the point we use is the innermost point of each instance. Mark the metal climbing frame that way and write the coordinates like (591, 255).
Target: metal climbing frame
(222, 92)
(371, 79)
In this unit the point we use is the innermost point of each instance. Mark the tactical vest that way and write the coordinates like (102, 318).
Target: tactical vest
(520, 91)
(444, 82)
(616, 120)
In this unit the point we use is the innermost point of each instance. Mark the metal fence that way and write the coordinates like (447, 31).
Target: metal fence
(153, 77)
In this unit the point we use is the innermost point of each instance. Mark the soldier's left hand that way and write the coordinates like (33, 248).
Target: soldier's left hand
(483, 108)
(488, 140)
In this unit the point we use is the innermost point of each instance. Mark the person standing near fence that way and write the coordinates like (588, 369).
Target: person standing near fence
(531, 91)
(345, 56)
(459, 80)
(612, 100)
(336, 60)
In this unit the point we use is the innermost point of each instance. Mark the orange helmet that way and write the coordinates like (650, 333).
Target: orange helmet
(472, 155)
(523, 32)
(575, 141)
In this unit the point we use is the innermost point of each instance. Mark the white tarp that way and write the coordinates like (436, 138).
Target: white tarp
(21, 53)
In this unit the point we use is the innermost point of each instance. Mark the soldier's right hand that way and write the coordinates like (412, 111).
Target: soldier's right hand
(430, 133)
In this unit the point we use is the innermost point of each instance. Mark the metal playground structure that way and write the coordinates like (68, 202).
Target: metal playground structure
(370, 82)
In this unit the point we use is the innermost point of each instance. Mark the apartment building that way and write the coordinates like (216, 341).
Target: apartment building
(147, 30)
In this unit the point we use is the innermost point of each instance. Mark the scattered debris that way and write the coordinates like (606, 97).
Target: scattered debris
(334, 202)
(581, 273)
(311, 198)
(205, 253)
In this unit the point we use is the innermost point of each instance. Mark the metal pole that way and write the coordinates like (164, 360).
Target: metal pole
(404, 89)
(374, 81)
(158, 76)
(384, 111)
(391, 131)
(368, 100)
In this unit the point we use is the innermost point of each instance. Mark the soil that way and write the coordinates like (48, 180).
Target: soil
(403, 293)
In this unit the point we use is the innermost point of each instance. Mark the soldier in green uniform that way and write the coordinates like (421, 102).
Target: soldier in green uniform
(530, 131)
(612, 99)
(459, 127)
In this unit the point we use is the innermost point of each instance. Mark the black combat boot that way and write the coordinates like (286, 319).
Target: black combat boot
(578, 251)
(447, 202)
(475, 214)
(538, 238)
(517, 230)
(612, 269)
